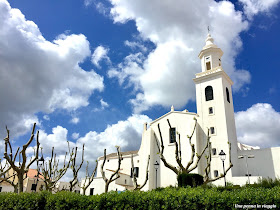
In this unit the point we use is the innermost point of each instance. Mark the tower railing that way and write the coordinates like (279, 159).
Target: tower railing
(211, 71)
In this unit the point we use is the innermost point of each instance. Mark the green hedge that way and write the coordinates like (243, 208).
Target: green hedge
(168, 198)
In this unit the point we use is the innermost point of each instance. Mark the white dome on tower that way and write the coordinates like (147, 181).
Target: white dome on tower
(209, 42)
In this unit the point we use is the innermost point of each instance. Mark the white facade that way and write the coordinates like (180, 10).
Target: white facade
(6, 187)
(214, 112)
(65, 186)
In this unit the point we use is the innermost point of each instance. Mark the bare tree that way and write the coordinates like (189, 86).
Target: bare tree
(75, 169)
(191, 165)
(134, 179)
(51, 171)
(115, 175)
(22, 168)
(88, 179)
(207, 178)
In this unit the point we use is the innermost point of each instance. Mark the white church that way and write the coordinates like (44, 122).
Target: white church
(215, 113)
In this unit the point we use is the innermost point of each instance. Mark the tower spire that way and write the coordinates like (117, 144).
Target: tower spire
(210, 54)
(209, 41)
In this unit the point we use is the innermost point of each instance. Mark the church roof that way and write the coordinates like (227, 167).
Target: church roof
(172, 112)
(113, 155)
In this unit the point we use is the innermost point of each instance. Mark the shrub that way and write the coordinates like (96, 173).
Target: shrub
(168, 198)
(186, 179)
(267, 182)
(228, 188)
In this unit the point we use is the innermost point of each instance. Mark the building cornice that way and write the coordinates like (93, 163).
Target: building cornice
(212, 73)
(115, 155)
(210, 48)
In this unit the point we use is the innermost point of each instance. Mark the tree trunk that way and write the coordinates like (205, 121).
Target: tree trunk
(47, 188)
(16, 188)
(20, 182)
(106, 187)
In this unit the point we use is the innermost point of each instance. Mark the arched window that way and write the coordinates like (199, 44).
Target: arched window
(227, 92)
(216, 173)
(209, 93)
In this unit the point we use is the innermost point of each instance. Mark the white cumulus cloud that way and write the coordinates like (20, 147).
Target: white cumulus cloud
(164, 77)
(135, 45)
(125, 133)
(37, 75)
(99, 54)
(75, 120)
(103, 104)
(46, 117)
(258, 126)
(75, 135)
(253, 7)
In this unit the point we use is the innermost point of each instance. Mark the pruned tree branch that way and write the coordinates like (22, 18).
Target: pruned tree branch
(4, 168)
(134, 179)
(207, 179)
(202, 152)
(192, 164)
(22, 168)
(10, 179)
(168, 165)
(88, 180)
(178, 155)
(115, 175)
(51, 171)
(75, 169)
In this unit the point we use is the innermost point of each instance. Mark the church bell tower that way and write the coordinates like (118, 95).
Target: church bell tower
(215, 106)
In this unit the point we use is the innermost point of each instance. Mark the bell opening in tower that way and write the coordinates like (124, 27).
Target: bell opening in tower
(208, 65)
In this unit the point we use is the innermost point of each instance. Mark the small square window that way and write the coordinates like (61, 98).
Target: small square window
(0, 189)
(212, 130)
(216, 173)
(91, 191)
(214, 151)
(211, 110)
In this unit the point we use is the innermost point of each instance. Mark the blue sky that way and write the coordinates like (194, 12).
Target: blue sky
(94, 71)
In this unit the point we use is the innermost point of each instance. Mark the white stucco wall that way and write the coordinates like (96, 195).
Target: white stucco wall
(6, 187)
(99, 186)
(184, 123)
(265, 162)
(65, 186)
(111, 165)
